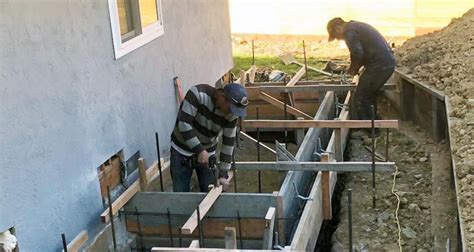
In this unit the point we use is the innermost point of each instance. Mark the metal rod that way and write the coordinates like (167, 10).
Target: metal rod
(201, 239)
(63, 237)
(139, 228)
(448, 245)
(285, 112)
(387, 141)
(349, 215)
(253, 53)
(237, 134)
(258, 154)
(159, 160)
(240, 230)
(373, 155)
(235, 171)
(111, 216)
(170, 229)
(180, 237)
(305, 63)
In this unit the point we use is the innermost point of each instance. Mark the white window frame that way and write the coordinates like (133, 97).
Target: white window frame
(148, 34)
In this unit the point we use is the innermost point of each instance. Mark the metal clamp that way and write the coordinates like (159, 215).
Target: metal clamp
(299, 196)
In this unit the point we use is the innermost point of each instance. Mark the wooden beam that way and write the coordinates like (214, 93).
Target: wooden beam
(325, 189)
(142, 174)
(318, 88)
(79, 241)
(243, 77)
(151, 173)
(204, 207)
(253, 71)
(266, 147)
(230, 238)
(295, 124)
(275, 102)
(316, 166)
(313, 68)
(296, 77)
(194, 244)
(269, 225)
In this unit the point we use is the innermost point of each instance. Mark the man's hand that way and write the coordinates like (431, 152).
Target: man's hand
(203, 158)
(224, 183)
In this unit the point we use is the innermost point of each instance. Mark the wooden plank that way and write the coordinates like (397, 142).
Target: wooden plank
(268, 98)
(318, 88)
(151, 173)
(325, 188)
(313, 68)
(296, 77)
(253, 71)
(194, 244)
(425, 87)
(295, 124)
(230, 238)
(109, 175)
(142, 175)
(242, 78)
(266, 147)
(79, 241)
(206, 204)
(357, 166)
(338, 151)
(269, 225)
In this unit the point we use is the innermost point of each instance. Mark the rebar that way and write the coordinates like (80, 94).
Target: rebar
(63, 237)
(159, 160)
(373, 154)
(139, 229)
(349, 215)
(258, 154)
(305, 62)
(111, 216)
(170, 229)
(240, 230)
(201, 238)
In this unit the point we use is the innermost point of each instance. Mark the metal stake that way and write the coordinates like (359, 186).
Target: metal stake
(170, 229)
(180, 237)
(139, 228)
(286, 129)
(448, 245)
(63, 237)
(349, 213)
(387, 138)
(235, 171)
(305, 63)
(159, 160)
(253, 53)
(201, 239)
(373, 155)
(240, 230)
(111, 216)
(258, 156)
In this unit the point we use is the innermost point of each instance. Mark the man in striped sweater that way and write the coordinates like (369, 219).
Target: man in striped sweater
(203, 115)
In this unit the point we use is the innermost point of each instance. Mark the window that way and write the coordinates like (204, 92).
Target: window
(134, 23)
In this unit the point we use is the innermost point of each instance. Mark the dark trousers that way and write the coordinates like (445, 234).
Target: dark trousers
(182, 170)
(365, 94)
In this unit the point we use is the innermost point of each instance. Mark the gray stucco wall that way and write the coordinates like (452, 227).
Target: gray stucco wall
(67, 105)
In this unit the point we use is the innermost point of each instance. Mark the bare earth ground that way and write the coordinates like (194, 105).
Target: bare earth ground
(445, 60)
(427, 200)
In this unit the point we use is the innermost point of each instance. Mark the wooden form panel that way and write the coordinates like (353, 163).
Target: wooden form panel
(109, 175)
(223, 213)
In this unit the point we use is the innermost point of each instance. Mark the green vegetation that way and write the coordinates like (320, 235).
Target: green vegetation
(275, 63)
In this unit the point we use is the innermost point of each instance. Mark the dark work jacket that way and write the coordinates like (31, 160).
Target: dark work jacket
(368, 47)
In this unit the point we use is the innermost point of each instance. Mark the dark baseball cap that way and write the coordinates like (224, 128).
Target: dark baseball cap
(237, 97)
(332, 24)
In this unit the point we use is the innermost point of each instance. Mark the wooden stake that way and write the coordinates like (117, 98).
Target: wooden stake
(269, 225)
(142, 174)
(325, 182)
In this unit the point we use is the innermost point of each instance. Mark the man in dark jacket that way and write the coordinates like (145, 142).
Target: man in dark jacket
(368, 48)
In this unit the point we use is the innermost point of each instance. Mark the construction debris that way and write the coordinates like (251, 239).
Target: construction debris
(445, 60)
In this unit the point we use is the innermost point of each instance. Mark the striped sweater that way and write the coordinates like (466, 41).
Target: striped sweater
(199, 123)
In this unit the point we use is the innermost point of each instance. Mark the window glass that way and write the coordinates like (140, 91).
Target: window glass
(148, 12)
(125, 16)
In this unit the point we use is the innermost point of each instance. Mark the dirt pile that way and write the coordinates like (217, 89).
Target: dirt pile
(445, 60)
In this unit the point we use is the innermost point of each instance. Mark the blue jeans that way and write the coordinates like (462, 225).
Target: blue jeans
(182, 170)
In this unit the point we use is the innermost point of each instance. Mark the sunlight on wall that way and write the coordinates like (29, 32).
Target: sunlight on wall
(309, 17)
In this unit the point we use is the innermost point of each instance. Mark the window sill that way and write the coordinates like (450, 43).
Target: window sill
(149, 34)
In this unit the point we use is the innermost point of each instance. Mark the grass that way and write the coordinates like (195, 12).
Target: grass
(245, 62)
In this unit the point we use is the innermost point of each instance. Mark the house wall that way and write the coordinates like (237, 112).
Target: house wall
(67, 105)
(404, 18)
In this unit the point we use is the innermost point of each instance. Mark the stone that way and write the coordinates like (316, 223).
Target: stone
(403, 201)
(421, 250)
(423, 159)
(418, 176)
(409, 233)
(414, 206)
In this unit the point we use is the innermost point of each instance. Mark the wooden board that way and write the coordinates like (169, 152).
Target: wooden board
(318, 88)
(357, 166)
(281, 105)
(296, 124)
(109, 175)
(204, 206)
(296, 77)
(79, 241)
(151, 173)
